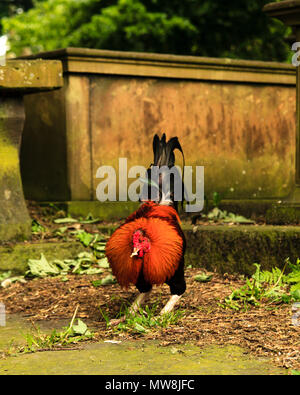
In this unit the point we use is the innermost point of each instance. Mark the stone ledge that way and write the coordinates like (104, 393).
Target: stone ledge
(234, 249)
(102, 210)
(224, 249)
(120, 210)
(15, 256)
(31, 75)
(139, 64)
(287, 11)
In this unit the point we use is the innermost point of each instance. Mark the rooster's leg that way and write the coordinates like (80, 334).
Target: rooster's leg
(170, 304)
(133, 308)
(138, 301)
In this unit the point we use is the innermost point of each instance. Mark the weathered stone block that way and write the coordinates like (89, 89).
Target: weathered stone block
(236, 118)
(14, 219)
(235, 249)
(15, 257)
(16, 79)
(27, 76)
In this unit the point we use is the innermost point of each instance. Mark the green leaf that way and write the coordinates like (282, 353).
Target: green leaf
(221, 215)
(216, 199)
(64, 265)
(61, 230)
(92, 270)
(5, 275)
(64, 279)
(103, 263)
(296, 293)
(238, 219)
(36, 227)
(86, 255)
(295, 372)
(216, 213)
(99, 247)
(81, 328)
(109, 279)
(139, 328)
(41, 267)
(65, 220)
(90, 220)
(85, 238)
(84, 263)
(203, 278)
(96, 283)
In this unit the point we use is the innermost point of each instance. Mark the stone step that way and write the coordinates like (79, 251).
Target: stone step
(234, 249)
(220, 248)
(14, 257)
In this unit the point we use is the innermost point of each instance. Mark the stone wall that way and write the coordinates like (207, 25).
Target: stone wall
(237, 118)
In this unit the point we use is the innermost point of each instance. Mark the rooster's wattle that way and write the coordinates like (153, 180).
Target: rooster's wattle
(148, 248)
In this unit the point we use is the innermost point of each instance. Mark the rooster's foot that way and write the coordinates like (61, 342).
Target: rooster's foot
(133, 308)
(170, 304)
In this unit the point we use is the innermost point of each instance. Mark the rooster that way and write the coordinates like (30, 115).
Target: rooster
(148, 249)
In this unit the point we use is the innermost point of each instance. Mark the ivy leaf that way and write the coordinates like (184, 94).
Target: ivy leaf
(139, 328)
(103, 263)
(41, 267)
(109, 279)
(85, 238)
(203, 278)
(65, 220)
(81, 328)
(100, 246)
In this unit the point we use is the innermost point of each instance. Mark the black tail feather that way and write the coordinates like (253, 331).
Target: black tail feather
(164, 156)
(172, 144)
(164, 151)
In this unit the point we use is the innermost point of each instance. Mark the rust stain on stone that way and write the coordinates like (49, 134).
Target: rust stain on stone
(231, 129)
(244, 134)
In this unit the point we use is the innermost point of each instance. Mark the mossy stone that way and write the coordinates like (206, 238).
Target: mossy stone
(14, 218)
(235, 249)
(283, 214)
(15, 257)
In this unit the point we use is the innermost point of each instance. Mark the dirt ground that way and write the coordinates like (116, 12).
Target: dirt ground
(261, 331)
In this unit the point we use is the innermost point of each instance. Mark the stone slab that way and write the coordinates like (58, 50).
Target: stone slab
(14, 257)
(30, 75)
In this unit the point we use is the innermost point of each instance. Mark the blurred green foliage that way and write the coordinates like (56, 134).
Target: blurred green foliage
(217, 28)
